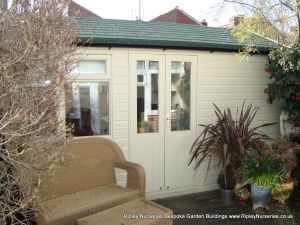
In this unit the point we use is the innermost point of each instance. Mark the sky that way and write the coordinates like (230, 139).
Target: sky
(211, 10)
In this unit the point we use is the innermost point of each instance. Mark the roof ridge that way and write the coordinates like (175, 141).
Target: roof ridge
(157, 22)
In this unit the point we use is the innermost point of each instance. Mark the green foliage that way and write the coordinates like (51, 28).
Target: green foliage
(284, 69)
(276, 20)
(234, 132)
(263, 169)
(246, 33)
(144, 124)
(281, 194)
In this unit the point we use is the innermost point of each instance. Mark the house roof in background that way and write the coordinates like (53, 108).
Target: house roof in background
(108, 32)
(77, 10)
(176, 15)
(234, 21)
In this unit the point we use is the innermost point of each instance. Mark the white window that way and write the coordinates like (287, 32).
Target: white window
(88, 101)
(91, 67)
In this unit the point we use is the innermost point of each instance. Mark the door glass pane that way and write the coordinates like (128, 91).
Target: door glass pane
(147, 96)
(87, 108)
(180, 95)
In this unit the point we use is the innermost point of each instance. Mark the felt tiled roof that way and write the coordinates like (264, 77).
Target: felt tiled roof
(108, 32)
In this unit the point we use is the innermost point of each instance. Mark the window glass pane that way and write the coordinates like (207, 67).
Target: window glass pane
(154, 91)
(153, 65)
(87, 109)
(180, 95)
(140, 65)
(147, 97)
(140, 78)
(91, 67)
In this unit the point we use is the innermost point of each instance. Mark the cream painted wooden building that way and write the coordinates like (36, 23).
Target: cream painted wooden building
(148, 85)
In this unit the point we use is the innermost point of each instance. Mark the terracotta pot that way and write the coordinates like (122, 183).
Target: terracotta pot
(141, 130)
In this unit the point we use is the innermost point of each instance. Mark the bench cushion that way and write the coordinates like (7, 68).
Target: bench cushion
(134, 212)
(65, 210)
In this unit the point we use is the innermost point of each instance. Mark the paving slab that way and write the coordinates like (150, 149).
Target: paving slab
(209, 209)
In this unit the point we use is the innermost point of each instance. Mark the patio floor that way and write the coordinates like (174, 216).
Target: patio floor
(210, 203)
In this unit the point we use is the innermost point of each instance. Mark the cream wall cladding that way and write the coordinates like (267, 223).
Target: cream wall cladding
(220, 78)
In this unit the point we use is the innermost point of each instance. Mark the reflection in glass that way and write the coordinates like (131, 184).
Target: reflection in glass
(180, 95)
(147, 96)
(88, 109)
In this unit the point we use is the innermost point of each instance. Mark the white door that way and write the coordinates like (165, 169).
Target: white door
(147, 117)
(180, 120)
(163, 118)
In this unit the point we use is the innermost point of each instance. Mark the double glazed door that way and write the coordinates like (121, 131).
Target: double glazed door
(163, 118)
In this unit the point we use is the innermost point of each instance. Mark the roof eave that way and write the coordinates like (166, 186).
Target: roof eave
(111, 42)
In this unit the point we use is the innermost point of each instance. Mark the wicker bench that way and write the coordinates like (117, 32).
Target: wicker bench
(138, 212)
(88, 184)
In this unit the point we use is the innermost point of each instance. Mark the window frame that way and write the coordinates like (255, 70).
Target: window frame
(96, 78)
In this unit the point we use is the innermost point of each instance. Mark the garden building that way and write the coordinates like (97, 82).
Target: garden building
(147, 86)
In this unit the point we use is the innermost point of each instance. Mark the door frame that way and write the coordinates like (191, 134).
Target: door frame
(165, 60)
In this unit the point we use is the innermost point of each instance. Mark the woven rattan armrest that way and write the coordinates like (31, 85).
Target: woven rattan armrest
(135, 176)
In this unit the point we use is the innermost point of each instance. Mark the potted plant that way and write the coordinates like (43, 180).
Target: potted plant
(231, 131)
(264, 172)
(226, 182)
(285, 151)
(143, 127)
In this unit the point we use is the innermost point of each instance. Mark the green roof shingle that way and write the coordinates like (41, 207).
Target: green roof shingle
(109, 32)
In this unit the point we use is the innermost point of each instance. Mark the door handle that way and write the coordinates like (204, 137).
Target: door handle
(168, 121)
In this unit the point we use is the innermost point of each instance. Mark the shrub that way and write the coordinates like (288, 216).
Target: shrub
(37, 52)
(234, 133)
(284, 69)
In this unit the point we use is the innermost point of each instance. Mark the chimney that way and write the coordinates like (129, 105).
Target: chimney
(204, 23)
(177, 7)
(237, 20)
